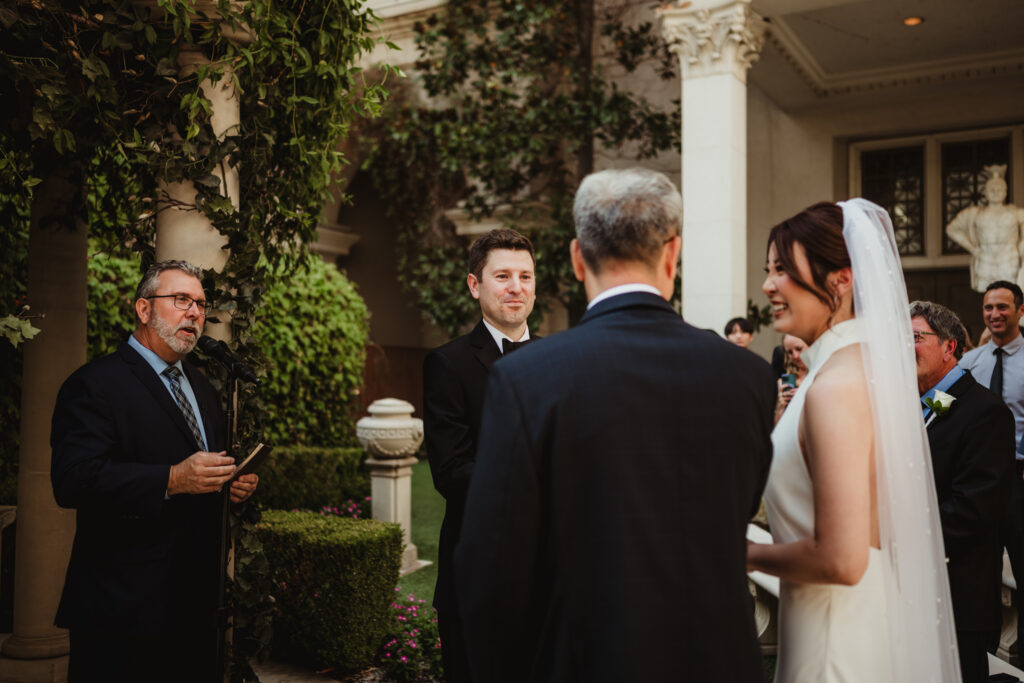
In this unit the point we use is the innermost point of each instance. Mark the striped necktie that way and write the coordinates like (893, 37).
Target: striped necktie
(173, 374)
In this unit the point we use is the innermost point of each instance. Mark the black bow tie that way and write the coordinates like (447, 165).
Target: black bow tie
(508, 346)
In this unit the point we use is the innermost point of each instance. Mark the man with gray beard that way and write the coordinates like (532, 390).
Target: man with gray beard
(138, 442)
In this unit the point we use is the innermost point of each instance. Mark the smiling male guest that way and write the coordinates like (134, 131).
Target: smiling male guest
(999, 365)
(970, 432)
(501, 278)
(138, 443)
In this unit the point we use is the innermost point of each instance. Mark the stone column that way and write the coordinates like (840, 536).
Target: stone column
(182, 231)
(390, 436)
(57, 282)
(716, 43)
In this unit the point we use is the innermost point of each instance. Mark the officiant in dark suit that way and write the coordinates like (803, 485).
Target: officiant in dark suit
(138, 442)
(501, 278)
(604, 534)
(971, 434)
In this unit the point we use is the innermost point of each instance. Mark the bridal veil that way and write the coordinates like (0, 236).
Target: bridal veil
(922, 632)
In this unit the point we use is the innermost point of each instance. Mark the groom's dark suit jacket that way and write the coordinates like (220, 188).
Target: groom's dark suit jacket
(454, 380)
(140, 565)
(604, 534)
(972, 449)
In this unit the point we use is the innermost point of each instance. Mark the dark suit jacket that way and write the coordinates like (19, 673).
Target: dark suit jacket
(454, 380)
(972, 457)
(604, 534)
(140, 565)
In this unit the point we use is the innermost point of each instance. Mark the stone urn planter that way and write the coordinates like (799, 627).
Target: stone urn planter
(390, 435)
(390, 431)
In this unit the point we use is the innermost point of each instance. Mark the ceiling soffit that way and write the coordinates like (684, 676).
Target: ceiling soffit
(858, 46)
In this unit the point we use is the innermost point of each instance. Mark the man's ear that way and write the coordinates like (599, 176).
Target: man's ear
(576, 255)
(671, 257)
(143, 307)
(950, 349)
(474, 285)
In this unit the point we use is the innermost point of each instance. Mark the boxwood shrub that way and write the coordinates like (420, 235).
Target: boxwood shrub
(309, 478)
(334, 581)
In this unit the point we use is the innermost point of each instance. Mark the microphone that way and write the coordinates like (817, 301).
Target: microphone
(219, 351)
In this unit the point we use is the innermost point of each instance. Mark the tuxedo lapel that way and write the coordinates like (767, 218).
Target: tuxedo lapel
(484, 348)
(149, 379)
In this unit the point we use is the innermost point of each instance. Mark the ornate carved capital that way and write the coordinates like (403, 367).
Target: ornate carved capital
(715, 40)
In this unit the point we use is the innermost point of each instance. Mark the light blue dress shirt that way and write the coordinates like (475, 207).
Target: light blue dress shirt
(159, 365)
(981, 361)
(948, 380)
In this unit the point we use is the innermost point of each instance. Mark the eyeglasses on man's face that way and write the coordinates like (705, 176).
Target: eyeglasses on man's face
(183, 302)
(919, 336)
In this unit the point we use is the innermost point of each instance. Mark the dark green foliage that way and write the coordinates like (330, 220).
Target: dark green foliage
(112, 284)
(313, 328)
(525, 101)
(311, 478)
(334, 580)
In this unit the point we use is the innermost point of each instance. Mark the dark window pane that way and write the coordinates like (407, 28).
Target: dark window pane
(963, 179)
(894, 179)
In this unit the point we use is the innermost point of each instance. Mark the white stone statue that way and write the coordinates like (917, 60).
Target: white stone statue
(992, 234)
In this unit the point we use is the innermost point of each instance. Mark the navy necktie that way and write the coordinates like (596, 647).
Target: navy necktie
(996, 383)
(173, 374)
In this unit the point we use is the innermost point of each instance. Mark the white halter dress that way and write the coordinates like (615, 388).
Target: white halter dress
(827, 633)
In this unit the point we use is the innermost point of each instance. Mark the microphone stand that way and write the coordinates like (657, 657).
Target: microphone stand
(235, 372)
(223, 616)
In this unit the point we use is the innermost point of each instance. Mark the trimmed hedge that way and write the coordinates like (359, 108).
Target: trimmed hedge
(309, 478)
(334, 580)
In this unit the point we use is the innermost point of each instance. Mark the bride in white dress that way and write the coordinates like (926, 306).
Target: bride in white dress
(864, 595)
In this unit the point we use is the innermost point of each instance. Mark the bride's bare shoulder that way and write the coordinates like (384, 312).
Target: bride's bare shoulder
(841, 379)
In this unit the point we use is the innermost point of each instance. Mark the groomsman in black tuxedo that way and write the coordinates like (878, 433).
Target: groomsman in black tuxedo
(139, 442)
(501, 278)
(971, 434)
(604, 534)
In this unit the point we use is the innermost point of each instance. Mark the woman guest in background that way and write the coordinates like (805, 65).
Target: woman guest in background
(739, 331)
(794, 375)
(864, 594)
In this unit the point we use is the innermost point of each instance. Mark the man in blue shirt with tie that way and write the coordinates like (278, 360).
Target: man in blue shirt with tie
(139, 442)
(999, 365)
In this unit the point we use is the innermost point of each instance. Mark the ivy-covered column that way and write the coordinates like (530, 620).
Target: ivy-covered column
(716, 43)
(57, 283)
(182, 231)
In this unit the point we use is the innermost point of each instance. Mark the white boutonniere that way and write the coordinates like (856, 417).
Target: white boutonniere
(940, 404)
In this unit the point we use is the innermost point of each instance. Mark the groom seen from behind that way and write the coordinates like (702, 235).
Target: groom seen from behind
(604, 531)
(501, 278)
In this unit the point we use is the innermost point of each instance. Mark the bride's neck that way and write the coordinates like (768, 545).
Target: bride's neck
(843, 314)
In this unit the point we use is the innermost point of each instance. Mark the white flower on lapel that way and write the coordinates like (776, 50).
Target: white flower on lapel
(941, 403)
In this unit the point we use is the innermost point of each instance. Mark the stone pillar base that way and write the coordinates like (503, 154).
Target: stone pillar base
(390, 494)
(49, 670)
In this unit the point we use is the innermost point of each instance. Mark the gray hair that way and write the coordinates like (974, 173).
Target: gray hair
(944, 323)
(625, 215)
(151, 280)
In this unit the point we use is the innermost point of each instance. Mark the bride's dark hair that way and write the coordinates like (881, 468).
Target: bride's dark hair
(819, 229)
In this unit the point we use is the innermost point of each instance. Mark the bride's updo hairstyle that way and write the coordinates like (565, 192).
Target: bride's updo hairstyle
(819, 229)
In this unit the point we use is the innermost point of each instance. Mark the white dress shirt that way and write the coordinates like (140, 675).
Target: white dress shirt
(498, 335)
(622, 289)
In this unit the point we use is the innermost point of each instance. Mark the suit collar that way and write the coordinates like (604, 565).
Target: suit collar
(147, 375)
(957, 391)
(484, 348)
(629, 300)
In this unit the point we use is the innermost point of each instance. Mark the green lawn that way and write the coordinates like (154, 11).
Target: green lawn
(427, 513)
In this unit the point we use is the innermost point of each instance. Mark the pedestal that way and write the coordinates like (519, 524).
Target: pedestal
(390, 435)
(391, 496)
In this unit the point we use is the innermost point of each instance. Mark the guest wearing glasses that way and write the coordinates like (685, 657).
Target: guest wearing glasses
(138, 442)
